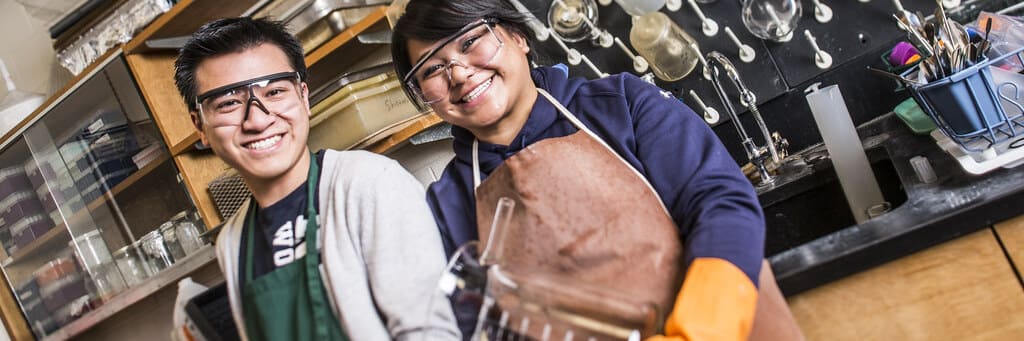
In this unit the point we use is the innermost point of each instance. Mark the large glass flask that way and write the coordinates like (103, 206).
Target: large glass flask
(638, 8)
(773, 20)
(666, 46)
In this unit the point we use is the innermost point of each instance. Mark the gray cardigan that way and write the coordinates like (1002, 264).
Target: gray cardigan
(382, 255)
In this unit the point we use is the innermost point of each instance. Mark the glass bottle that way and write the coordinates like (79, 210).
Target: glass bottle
(665, 45)
(773, 20)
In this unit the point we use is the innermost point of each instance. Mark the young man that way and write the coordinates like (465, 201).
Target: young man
(371, 270)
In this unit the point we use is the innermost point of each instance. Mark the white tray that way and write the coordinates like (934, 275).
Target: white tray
(998, 155)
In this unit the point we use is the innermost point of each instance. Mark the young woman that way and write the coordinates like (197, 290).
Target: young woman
(615, 158)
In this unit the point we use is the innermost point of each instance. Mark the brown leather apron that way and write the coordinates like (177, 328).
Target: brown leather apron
(582, 212)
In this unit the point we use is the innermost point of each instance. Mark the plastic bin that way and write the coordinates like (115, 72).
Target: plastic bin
(965, 101)
(333, 87)
(967, 105)
(211, 311)
(329, 101)
(113, 144)
(20, 205)
(103, 121)
(12, 180)
(28, 229)
(361, 113)
(39, 318)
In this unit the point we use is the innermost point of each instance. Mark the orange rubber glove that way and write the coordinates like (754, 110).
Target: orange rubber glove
(716, 303)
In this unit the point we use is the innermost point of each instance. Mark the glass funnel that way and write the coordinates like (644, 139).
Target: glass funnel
(773, 20)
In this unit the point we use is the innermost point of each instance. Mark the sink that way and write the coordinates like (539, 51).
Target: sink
(808, 204)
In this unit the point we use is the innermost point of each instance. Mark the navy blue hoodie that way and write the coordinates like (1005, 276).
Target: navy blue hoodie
(712, 203)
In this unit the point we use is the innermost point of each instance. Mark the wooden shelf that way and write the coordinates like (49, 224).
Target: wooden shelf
(343, 38)
(184, 18)
(130, 180)
(59, 233)
(387, 144)
(186, 144)
(167, 277)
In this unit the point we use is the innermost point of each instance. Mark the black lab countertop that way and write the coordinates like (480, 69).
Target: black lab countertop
(956, 204)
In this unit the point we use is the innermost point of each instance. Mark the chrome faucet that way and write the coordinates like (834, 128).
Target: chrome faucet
(717, 62)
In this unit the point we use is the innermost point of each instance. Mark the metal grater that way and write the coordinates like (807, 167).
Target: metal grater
(228, 192)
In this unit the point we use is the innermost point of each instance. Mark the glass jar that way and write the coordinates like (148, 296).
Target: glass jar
(130, 262)
(107, 280)
(91, 249)
(188, 233)
(155, 252)
(666, 46)
(171, 240)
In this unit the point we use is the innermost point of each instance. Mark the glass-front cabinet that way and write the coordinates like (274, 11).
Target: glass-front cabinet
(90, 201)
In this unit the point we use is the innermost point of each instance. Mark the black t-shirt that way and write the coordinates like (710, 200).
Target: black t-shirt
(280, 238)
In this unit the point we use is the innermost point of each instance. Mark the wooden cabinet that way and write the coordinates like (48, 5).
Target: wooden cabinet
(81, 179)
(964, 289)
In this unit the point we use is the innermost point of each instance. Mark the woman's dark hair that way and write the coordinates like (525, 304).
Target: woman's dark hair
(433, 20)
(231, 35)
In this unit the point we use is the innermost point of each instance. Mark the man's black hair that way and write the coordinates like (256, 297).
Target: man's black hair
(433, 20)
(231, 35)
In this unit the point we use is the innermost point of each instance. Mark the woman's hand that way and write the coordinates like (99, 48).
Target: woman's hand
(717, 303)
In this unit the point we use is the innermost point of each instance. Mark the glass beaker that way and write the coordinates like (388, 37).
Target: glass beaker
(638, 8)
(569, 19)
(773, 20)
(547, 306)
(665, 45)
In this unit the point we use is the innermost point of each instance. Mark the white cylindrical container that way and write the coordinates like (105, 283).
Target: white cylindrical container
(845, 150)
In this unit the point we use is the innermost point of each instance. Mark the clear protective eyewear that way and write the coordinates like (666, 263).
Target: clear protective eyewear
(229, 105)
(477, 47)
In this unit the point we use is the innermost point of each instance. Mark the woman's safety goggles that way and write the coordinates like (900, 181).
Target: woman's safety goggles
(474, 46)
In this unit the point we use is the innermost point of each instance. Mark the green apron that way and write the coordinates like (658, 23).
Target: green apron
(289, 303)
